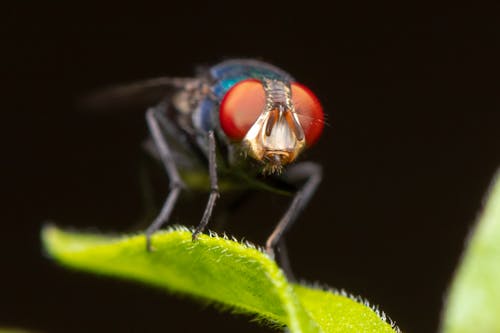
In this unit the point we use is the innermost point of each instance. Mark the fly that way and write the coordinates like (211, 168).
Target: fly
(243, 121)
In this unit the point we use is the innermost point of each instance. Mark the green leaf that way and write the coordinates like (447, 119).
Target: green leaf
(473, 303)
(237, 276)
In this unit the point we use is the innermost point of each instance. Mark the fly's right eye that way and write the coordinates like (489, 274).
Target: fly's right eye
(240, 108)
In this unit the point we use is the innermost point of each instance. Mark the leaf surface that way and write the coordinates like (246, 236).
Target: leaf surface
(473, 303)
(237, 276)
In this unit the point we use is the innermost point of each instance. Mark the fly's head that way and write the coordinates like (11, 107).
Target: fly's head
(274, 121)
(276, 138)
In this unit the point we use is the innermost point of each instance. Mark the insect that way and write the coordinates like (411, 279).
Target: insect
(243, 121)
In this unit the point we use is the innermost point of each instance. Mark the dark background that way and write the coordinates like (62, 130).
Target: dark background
(411, 97)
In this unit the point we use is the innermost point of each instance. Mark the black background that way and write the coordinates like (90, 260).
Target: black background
(411, 97)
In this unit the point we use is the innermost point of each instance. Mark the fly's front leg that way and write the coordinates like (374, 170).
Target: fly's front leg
(214, 186)
(312, 173)
(153, 118)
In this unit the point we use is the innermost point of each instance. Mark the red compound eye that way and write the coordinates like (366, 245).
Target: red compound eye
(240, 108)
(309, 111)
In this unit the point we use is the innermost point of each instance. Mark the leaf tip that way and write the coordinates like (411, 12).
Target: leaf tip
(48, 235)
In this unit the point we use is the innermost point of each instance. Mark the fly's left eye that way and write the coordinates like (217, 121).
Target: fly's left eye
(240, 108)
(309, 111)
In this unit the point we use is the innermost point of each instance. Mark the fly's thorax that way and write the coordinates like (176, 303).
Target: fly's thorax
(276, 138)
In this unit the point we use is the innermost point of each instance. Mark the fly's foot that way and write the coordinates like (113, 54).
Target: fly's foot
(194, 236)
(270, 253)
(149, 246)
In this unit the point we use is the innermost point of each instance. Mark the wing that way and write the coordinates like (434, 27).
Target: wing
(135, 95)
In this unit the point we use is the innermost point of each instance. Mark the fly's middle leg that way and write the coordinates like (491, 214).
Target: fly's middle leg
(153, 118)
(214, 186)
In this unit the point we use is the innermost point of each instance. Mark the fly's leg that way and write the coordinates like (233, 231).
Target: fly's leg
(312, 174)
(284, 260)
(153, 118)
(214, 186)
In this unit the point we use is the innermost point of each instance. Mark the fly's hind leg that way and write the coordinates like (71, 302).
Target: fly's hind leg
(312, 174)
(154, 118)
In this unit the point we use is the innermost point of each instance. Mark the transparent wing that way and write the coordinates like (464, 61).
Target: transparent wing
(134, 95)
